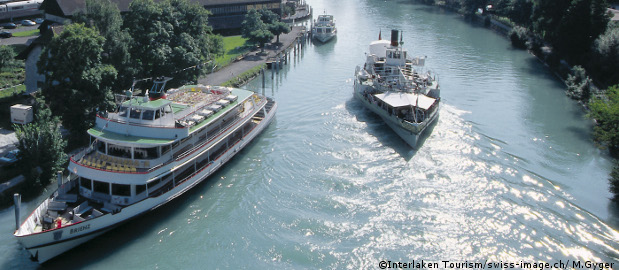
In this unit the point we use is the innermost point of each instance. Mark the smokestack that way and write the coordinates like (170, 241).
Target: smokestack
(394, 37)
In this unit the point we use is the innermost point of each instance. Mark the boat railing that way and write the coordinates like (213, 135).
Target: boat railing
(81, 154)
(35, 218)
(183, 154)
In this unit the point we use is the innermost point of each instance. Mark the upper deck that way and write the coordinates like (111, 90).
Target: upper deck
(139, 120)
(325, 20)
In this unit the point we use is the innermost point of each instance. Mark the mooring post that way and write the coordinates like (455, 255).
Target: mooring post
(59, 176)
(263, 79)
(17, 200)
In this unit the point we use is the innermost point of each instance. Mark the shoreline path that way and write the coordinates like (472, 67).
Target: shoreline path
(253, 58)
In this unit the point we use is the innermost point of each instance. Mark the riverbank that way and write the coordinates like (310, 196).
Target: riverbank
(255, 58)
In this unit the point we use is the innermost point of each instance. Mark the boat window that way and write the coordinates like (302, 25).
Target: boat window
(153, 183)
(139, 189)
(167, 178)
(86, 183)
(185, 172)
(101, 146)
(157, 114)
(123, 111)
(186, 139)
(148, 115)
(165, 149)
(146, 153)
(119, 151)
(121, 190)
(101, 187)
(135, 113)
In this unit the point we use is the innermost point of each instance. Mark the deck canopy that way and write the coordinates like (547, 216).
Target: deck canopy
(127, 140)
(401, 99)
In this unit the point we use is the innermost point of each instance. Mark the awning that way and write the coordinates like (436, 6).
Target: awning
(400, 99)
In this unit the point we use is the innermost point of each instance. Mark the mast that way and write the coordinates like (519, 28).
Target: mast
(158, 89)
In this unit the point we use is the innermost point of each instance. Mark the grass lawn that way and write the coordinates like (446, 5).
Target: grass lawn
(233, 47)
(12, 78)
(33, 32)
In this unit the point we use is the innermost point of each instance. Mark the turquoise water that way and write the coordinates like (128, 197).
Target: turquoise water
(509, 172)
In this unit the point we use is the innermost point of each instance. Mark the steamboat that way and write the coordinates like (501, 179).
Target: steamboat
(392, 85)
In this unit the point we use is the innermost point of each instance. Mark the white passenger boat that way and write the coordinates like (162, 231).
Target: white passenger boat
(142, 156)
(392, 85)
(324, 28)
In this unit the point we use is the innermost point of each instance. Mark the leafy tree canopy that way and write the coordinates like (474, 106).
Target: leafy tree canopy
(6, 56)
(104, 16)
(41, 148)
(606, 113)
(75, 75)
(169, 36)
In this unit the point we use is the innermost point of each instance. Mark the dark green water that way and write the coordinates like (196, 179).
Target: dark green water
(508, 174)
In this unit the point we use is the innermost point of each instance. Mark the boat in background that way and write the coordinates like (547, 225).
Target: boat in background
(324, 28)
(392, 85)
(146, 153)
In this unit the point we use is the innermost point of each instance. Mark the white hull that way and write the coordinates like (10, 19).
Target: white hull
(409, 136)
(324, 37)
(48, 244)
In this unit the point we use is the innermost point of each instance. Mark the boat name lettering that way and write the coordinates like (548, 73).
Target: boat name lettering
(79, 229)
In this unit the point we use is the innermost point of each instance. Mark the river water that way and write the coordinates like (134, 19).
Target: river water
(508, 174)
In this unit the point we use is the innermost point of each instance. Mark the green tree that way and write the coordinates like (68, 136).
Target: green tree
(104, 16)
(605, 60)
(547, 15)
(41, 148)
(606, 114)
(75, 75)
(268, 17)
(274, 25)
(469, 7)
(252, 22)
(520, 11)
(6, 56)
(582, 23)
(169, 36)
(579, 85)
(279, 28)
(255, 30)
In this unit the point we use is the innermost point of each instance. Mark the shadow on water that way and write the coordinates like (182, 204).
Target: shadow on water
(377, 128)
(536, 68)
(146, 225)
(581, 133)
(325, 48)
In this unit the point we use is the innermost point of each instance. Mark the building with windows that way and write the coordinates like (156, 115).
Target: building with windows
(225, 14)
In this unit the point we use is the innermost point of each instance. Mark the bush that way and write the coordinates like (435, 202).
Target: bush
(579, 85)
(606, 114)
(519, 37)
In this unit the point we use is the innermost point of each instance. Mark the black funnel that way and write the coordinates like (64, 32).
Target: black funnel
(394, 37)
